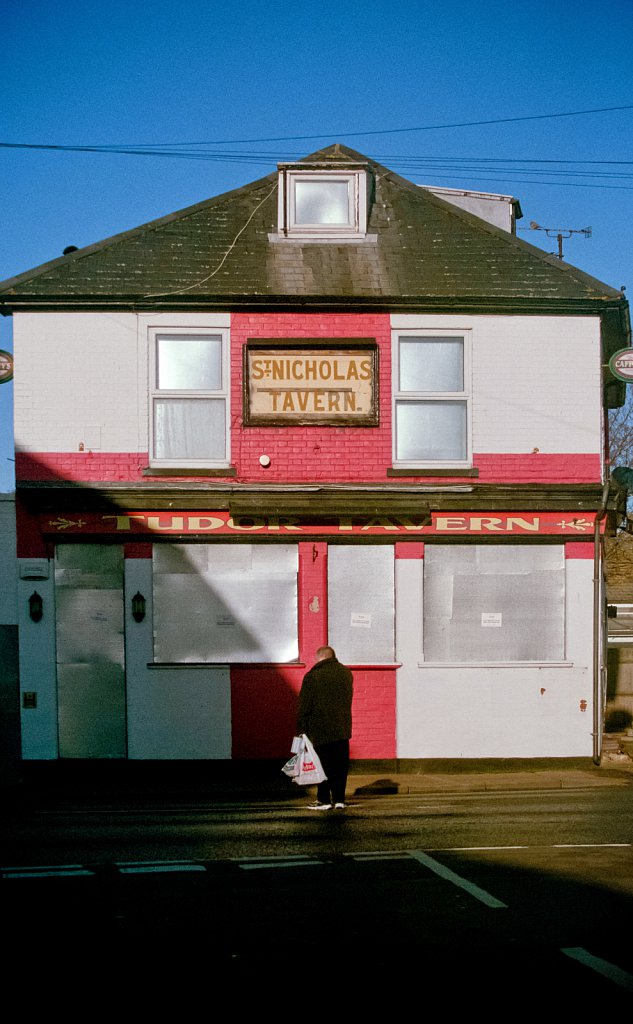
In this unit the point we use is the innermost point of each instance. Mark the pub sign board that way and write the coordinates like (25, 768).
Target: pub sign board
(310, 381)
(6, 366)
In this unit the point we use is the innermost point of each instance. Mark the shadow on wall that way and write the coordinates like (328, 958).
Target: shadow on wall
(193, 600)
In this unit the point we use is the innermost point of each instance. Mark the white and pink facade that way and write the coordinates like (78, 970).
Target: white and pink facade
(182, 603)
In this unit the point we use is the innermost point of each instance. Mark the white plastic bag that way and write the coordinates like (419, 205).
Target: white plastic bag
(310, 769)
(291, 767)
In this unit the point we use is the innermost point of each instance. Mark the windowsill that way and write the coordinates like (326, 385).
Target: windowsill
(354, 666)
(398, 471)
(225, 664)
(193, 471)
(495, 664)
(325, 239)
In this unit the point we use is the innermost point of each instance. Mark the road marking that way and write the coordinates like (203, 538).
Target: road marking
(608, 970)
(147, 867)
(549, 846)
(590, 846)
(301, 860)
(57, 870)
(379, 855)
(474, 849)
(450, 876)
(282, 864)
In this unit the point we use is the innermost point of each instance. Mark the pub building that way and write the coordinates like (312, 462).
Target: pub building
(330, 406)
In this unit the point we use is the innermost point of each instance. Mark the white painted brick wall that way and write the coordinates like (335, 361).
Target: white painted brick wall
(76, 381)
(536, 381)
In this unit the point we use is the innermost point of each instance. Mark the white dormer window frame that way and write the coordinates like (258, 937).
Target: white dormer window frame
(315, 203)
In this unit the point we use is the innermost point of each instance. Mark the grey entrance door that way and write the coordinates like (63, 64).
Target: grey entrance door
(90, 651)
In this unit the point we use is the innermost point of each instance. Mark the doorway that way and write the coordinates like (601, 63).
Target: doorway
(90, 651)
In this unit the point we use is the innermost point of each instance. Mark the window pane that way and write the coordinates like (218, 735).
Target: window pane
(190, 428)
(431, 431)
(191, 363)
(321, 202)
(431, 364)
(497, 603)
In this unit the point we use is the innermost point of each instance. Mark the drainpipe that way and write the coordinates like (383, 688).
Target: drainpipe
(597, 622)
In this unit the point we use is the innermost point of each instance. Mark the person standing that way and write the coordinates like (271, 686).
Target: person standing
(325, 716)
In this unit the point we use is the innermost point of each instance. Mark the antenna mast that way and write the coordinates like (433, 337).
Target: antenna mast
(560, 233)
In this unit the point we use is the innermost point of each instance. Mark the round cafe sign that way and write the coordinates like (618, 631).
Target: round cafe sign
(621, 365)
(6, 366)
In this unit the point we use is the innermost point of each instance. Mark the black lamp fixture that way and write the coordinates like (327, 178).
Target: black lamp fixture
(139, 605)
(36, 606)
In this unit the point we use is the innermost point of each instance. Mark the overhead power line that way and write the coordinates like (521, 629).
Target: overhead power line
(424, 128)
(416, 167)
(169, 148)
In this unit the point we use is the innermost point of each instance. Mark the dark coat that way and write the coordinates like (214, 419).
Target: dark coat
(325, 702)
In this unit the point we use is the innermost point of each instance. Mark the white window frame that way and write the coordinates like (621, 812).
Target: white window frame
(402, 397)
(222, 393)
(356, 226)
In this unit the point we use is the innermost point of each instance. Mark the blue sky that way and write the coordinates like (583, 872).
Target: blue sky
(516, 98)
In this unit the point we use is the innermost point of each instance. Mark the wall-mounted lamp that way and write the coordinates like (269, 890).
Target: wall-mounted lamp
(139, 605)
(36, 606)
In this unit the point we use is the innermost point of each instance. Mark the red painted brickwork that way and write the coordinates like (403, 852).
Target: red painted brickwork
(580, 549)
(409, 550)
(312, 599)
(333, 454)
(264, 710)
(538, 468)
(80, 466)
(264, 698)
(264, 707)
(501, 469)
(373, 714)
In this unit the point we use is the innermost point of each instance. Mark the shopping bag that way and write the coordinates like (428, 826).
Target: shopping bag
(291, 767)
(310, 769)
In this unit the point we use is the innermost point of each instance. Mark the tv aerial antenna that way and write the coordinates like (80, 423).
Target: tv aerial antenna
(560, 233)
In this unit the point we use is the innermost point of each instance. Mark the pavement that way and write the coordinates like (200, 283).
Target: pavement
(118, 783)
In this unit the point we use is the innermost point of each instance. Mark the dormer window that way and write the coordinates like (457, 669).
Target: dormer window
(317, 203)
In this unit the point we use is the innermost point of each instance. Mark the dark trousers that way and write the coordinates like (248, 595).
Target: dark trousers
(334, 758)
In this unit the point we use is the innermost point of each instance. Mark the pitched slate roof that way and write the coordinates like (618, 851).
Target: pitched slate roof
(423, 254)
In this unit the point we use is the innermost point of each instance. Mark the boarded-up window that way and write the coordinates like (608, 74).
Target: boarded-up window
(494, 603)
(225, 603)
(361, 603)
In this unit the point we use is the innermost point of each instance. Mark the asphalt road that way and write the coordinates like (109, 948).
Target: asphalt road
(495, 902)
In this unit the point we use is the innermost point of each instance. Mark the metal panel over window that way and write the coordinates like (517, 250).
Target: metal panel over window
(494, 603)
(361, 603)
(222, 603)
